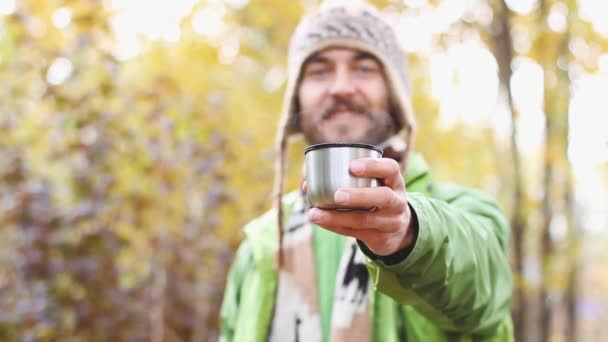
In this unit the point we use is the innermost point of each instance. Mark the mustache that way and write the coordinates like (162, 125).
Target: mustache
(335, 105)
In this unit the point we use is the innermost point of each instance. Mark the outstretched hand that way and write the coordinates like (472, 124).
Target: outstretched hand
(387, 229)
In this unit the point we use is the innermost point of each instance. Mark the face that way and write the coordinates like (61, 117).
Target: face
(344, 97)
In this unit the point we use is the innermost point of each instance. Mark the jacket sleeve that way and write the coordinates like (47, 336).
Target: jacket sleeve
(457, 274)
(230, 304)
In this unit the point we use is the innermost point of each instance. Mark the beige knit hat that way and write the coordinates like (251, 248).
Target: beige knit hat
(353, 25)
(359, 26)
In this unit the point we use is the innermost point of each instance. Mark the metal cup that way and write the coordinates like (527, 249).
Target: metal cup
(327, 170)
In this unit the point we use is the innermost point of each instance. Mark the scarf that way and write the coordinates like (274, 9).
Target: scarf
(296, 315)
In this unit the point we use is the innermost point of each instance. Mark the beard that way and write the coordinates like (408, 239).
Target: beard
(371, 128)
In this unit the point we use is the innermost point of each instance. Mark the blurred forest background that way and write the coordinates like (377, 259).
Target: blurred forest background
(136, 139)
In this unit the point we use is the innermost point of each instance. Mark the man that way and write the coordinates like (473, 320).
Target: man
(430, 264)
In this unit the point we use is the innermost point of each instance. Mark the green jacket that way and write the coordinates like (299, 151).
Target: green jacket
(455, 285)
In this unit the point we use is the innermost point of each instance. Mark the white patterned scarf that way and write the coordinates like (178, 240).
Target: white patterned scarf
(296, 314)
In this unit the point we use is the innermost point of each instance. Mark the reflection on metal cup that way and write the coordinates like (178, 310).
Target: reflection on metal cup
(327, 170)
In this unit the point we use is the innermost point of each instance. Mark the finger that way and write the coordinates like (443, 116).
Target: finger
(384, 168)
(376, 241)
(355, 233)
(380, 197)
(356, 220)
(304, 187)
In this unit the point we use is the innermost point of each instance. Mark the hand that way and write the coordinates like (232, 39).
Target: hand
(385, 230)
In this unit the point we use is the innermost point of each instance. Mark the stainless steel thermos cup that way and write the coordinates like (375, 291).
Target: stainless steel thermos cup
(327, 170)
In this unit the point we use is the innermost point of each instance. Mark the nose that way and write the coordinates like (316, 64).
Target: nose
(343, 83)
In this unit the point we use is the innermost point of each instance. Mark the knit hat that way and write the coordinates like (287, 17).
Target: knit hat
(354, 25)
(359, 26)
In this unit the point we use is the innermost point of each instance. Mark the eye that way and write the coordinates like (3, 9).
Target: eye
(366, 69)
(316, 70)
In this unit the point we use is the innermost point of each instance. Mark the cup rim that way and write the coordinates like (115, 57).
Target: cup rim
(329, 145)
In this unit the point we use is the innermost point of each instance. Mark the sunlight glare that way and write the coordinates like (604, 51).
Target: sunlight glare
(416, 28)
(59, 71)
(595, 12)
(593, 198)
(479, 11)
(237, 4)
(209, 22)
(558, 18)
(8, 7)
(62, 17)
(273, 79)
(530, 131)
(602, 63)
(450, 12)
(415, 32)
(229, 49)
(153, 19)
(465, 81)
(588, 121)
(128, 44)
(415, 3)
(527, 87)
(522, 7)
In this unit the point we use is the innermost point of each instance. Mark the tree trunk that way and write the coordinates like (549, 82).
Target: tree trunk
(548, 54)
(572, 285)
(546, 242)
(574, 233)
(503, 50)
(157, 312)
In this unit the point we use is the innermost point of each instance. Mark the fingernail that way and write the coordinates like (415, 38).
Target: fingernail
(314, 214)
(342, 196)
(357, 166)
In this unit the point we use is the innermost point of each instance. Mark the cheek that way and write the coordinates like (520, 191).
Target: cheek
(381, 101)
(378, 94)
(310, 95)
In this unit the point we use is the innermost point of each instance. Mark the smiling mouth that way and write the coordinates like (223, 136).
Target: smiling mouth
(344, 114)
(340, 113)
